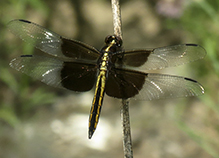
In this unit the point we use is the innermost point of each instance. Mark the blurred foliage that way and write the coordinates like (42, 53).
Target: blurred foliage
(201, 20)
(18, 97)
(21, 97)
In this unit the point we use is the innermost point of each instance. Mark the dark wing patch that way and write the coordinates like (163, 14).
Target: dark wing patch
(132, 58)
(78, 50)
(124, 83)
(77, 76)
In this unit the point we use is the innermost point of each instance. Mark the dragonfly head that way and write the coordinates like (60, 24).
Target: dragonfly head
(113, 39)
(113, 43)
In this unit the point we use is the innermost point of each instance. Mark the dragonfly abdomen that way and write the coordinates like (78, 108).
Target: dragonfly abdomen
(97, 102)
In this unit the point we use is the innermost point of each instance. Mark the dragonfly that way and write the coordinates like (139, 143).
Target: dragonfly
(112, 70)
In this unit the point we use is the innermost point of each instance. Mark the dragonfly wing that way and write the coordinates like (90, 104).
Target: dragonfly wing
(52, 43)
(56, 73)
(141, 86)
(160, 58)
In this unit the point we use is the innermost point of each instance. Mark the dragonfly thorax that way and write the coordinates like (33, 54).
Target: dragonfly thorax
(104, 63)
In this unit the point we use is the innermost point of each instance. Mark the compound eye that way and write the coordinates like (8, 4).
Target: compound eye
(115, 38)
(118, 41)
(109, 39)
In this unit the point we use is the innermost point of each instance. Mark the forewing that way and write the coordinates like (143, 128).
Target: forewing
(159, 58)
(56, 73)
(52, 43)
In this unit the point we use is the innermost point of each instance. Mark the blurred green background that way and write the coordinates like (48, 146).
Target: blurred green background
(40, 121)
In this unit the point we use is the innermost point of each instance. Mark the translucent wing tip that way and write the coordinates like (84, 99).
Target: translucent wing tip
(23, 29)
(15, 64)
(12, 24)
(15, 27)
(18, 63)
(199, 49)
(12, 63)
(17, 20)
(197, 89)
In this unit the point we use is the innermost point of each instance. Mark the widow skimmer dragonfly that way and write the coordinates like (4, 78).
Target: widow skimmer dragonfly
(76, 66)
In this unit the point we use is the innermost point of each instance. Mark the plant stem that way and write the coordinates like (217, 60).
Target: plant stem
(124, 110)
(117, 18)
